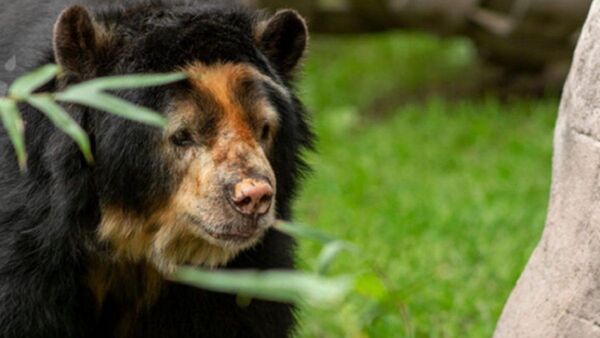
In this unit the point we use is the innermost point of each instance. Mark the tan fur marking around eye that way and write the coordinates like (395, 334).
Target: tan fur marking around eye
(184, 113)
(220, 82)
(269, 114)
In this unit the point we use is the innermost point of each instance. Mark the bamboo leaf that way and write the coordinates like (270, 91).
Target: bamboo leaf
(301, 231)
(63, 121)
(114, 105)
(126, 82)
(282, 286)
(329, 253)
(26, 84)
(13, 124)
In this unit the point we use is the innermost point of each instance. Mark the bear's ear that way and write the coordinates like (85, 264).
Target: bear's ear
(75, 41)
(283, 39)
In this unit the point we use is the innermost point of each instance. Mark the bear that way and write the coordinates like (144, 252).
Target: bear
(87, 249)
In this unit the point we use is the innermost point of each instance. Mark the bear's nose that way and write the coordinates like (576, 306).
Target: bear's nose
(252, 197)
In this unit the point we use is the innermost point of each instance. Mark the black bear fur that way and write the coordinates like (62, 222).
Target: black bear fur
(49, 214)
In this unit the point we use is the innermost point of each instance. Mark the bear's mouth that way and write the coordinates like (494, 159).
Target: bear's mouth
(233, 236)
(230, 233)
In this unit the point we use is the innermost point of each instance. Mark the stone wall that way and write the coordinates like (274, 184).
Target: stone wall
(558, 294)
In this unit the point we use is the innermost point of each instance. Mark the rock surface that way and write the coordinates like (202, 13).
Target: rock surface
(558, 294)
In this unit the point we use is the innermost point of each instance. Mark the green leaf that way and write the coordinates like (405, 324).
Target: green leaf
(90, 94)
(26, 84)
(13, 123)
(114, 105)
(301, 231)
(329, 253)
(64, 121)
(282, 286)
(126, 82)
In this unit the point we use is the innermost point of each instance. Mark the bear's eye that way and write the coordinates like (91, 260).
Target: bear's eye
(266, 132)
(182, 138)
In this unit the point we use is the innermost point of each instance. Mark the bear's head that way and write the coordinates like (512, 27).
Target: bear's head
(213, 182)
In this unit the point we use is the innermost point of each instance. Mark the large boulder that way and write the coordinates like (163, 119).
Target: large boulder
(558, 294)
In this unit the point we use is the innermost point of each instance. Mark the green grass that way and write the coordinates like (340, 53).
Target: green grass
(446, 199)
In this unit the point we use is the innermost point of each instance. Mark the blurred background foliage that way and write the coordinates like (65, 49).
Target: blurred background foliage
(444, 191)
(522, 46)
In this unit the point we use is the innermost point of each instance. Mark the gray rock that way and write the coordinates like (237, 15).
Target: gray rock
(558, 294)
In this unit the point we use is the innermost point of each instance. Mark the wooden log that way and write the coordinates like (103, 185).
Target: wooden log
(520, 36)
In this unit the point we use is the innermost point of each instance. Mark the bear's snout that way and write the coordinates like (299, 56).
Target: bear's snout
(251, 197)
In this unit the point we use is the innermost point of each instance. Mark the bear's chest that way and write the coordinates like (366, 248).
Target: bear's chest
(122, 294)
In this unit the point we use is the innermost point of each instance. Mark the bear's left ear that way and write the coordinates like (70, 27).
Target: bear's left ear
(283, 39)
(76, 41)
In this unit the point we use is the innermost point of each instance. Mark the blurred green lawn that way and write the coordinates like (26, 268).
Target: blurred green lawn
(447, 198)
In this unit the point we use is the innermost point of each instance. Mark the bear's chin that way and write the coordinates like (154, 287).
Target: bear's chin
(169, 252)
(174, 243)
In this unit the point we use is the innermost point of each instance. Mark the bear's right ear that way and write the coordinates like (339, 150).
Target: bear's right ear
(283, 39)
(76, 41)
